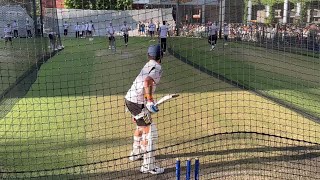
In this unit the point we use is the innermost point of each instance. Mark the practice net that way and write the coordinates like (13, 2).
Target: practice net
(248, 105)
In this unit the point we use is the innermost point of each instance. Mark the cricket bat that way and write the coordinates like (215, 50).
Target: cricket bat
(166, 98)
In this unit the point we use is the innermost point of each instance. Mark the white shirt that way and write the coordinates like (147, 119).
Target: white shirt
(152, 27)
(84, 27)
(28, 27)
(163, 31)
(213, 29)
(77, 27)
(110, 31)
(90, 27)
(226, 30)
(125, 29)
(65, 26)
(7, 32)
(15, 25)
(136, 92)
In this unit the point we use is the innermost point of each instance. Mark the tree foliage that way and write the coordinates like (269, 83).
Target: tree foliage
(99, 4)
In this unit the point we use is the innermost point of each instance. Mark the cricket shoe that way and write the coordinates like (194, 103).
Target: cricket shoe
(155, 170)
(109, 47)
(135, 157)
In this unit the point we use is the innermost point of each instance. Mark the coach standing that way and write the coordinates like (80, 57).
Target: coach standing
(163, 32)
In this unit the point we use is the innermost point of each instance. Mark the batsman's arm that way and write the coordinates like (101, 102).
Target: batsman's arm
(147, 84)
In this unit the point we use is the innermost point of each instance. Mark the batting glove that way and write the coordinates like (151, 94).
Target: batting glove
(152, 107)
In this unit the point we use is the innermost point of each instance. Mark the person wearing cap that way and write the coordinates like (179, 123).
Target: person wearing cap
(8, 34)
(140, 103)
(125, 29)
(110, 34)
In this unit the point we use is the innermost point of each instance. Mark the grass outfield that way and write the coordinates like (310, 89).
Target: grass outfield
(72, 121)
(289, 77)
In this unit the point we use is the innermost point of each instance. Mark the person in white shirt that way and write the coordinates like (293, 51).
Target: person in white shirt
(213, 35)
(226, 31)
(86, 26)
(7, 34)
(139, 101)
(77, 30)
(65, 28)
(90, 28)
(28, 28)
(15, 27)
(83, 30)
(110, 34)
(152, 28)
(125, 29)
(163, 32)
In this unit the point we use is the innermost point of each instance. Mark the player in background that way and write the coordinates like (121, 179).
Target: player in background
(152, 28)
(226, 31)
(125, 29)
(90, 29)
(65, 28)
(86, 25)
(77, 30)
(7, 35)
(83, 30)
(143, 29)
(213, 35)
(163, 33)
(110, 34)
(15, 27)
(28, 28)
(39, 26)
(139, 101)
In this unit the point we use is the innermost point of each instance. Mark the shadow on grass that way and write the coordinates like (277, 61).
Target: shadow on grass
(254, 156)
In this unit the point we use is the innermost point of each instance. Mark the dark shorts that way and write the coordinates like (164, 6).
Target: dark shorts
(8, 39)
(65, 31)
(212, 38)
(136, 109)
(89, 32)
(151, 32)
(111, 38)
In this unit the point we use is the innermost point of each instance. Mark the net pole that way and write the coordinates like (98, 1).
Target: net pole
(35, 23)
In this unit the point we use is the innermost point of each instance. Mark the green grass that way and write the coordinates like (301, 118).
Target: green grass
(16, 60)
(72, 121)
(289, 77)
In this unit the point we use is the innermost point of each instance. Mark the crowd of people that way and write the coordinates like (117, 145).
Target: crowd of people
(257, 32)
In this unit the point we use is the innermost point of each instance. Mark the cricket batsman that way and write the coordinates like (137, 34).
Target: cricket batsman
(139, 101)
